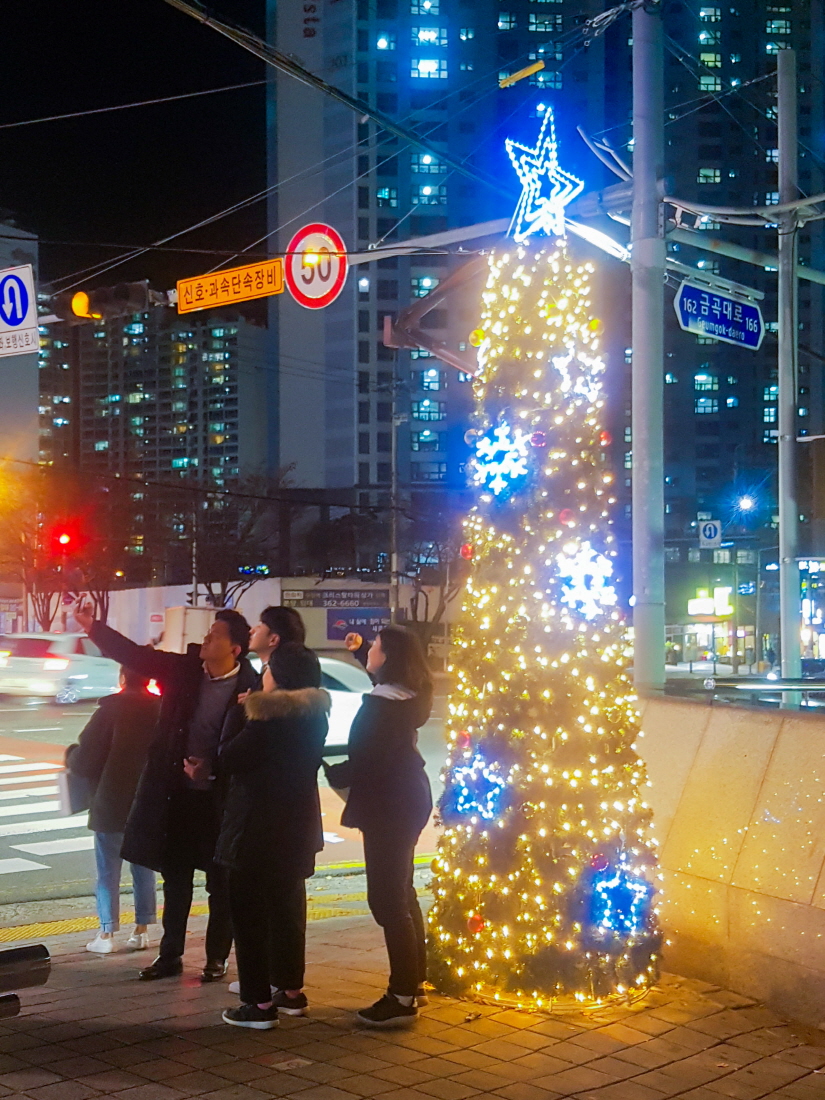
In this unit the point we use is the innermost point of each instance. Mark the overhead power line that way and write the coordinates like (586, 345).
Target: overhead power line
(128, 106)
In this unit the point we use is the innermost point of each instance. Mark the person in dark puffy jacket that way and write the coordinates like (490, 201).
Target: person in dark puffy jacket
(390, 802)
(111, 754)
(271, 832)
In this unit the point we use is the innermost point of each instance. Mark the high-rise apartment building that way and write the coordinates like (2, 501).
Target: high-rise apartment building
(155, 394)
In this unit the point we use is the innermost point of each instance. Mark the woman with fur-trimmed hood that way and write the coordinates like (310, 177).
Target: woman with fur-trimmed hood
(271, 832)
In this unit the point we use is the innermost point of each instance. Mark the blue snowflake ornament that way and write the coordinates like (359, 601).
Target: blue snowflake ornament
(501, 460)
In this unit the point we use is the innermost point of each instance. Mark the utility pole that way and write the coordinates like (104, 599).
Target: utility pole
(398, 418)
(648, 320)
(789, 607)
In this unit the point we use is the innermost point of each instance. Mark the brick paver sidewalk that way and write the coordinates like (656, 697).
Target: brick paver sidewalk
(96, 1031)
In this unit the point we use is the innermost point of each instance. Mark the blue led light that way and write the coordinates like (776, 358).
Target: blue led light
(621, 899)
(501, 460)
(537, 213)
(478, 788)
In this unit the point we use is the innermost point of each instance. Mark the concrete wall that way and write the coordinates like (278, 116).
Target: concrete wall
(739, 803)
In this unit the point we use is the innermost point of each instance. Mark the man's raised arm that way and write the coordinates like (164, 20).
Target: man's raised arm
(151, 663)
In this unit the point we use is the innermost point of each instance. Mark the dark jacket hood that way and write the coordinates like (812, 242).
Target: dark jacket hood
(262, 706)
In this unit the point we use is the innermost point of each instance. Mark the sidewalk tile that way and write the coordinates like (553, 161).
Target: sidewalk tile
(27, 1079)
(363, 1084)
(64, 1090)
(112, 1080)
(629, 1090)
(812, 1057)
(575, 1079)
(446, 1090)
(522, 1091)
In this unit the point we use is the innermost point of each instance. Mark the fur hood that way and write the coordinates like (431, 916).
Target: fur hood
(261, 706)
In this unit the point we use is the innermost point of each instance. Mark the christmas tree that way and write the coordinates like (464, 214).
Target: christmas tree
(544, 877)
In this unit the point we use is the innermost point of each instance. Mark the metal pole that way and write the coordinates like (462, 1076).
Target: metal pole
(396, 420)
(789, 607)
(648, 274)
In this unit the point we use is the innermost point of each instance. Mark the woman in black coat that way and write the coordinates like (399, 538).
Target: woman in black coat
(271, 832)
(390, 802)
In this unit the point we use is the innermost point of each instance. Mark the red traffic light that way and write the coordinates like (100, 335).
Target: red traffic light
(66, 538)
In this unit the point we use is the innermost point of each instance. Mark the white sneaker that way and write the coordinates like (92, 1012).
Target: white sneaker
(101, 945)
(235, 987)
(138, 941)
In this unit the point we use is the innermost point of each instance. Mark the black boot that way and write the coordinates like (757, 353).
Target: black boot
(161, 968)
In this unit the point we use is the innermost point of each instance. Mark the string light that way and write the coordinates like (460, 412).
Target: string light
(537, 213)
(544, 882)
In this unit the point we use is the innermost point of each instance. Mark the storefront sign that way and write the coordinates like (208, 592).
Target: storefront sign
(336, 597)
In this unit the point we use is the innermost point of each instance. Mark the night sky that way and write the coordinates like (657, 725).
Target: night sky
(128, 177)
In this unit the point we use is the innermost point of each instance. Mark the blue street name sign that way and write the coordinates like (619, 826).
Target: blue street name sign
(708, 313)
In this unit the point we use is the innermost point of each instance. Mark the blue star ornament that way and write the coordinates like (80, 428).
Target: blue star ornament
(538, 169)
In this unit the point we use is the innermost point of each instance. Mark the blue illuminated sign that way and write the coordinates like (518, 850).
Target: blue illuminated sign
(709, 313)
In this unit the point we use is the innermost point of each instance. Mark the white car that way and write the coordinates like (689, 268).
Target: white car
(346, 684)
(62, 667)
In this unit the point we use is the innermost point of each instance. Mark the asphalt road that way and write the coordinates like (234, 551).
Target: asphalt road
(44, 855)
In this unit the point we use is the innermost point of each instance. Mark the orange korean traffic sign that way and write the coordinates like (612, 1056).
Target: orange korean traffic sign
(236, 284)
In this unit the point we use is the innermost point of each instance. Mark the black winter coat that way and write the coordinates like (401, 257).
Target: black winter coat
(388, 787)
(272, 812)
(179, 676)
(111, 754)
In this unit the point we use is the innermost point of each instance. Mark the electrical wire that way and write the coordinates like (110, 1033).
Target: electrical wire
(128, 106)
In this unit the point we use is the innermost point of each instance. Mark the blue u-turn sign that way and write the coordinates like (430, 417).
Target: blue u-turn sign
(708, 313)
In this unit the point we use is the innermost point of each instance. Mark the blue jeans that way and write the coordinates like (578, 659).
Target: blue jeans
(107, 888)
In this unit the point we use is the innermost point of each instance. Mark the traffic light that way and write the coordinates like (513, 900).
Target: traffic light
(108, 301)
(66, 539)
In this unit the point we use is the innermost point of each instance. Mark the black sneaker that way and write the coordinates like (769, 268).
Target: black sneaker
(251, 1016)
(388, 1012)
(291, 1006)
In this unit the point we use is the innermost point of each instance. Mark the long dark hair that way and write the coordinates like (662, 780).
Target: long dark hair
(405, 662)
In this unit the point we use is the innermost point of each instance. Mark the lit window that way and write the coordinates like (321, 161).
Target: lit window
(770, 393)
(732, 402)
(769, 414)
(421, 285)
(774, 47)
(363, 285)
(544, 24)
(772, 156)
(710, 15)
(426, 440)
(709, 175)
(429, 36)
(628, 434)
(102, 445)
(429, 194)
(770, 435)
(705, 382)
(385, 42)
(735, 59)
(428, 69)
(711, 60)
(671, 379)
(721, 557)
(420, 353)
(464, 377)
(709, 83)
(771, 199)
(628, 460)
(424, 7)
(506, 21)
(778, 26)
(547, 78)
(705, 405)
(134, 329)
(802, 410)
(427, 164)
(628, 355)
(387, 196)
(466, 34)
(672, 553)
(732, 379)
(431, 379)
(707, 223)
(709, 38)
(426, 409)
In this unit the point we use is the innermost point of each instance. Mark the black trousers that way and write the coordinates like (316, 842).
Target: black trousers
(269, 918)
(190, 845)
(392, 899)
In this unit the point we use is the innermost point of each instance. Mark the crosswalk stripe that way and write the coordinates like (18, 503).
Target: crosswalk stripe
(9, 779)
(4, 757)
(24, 828)
(31, 808)
(27, 792)
(14, 866)
(38, 767)
(56, 847)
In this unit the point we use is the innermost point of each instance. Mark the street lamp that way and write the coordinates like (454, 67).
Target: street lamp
(746, 504)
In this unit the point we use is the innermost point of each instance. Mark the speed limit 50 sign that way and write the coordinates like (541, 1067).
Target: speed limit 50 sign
(315, 266)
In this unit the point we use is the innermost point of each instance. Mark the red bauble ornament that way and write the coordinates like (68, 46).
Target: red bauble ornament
(475, 923)
(605, 438)
(566, 516)
(466, 551)
(538, 439)
(462, 739)
(599, 862)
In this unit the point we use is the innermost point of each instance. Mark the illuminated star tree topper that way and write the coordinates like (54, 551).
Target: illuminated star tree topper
(546, 188)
